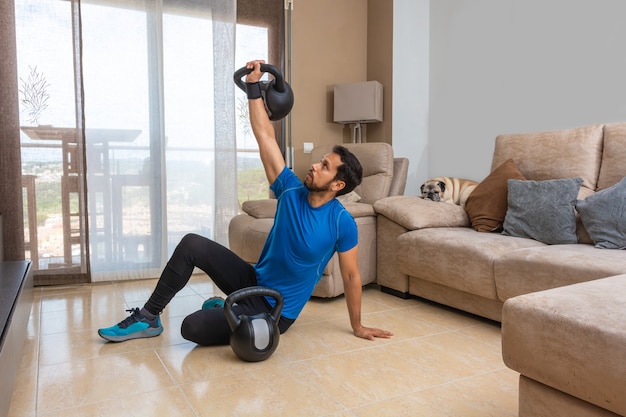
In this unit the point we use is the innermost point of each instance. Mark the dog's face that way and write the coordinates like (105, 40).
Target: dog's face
(433, 190)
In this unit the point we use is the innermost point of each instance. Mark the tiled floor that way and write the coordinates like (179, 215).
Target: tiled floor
(439, 363)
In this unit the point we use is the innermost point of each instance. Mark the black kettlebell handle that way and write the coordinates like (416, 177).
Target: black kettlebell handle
(279, 82)
(238, 295)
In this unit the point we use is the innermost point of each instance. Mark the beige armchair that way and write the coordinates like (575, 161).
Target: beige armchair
(383, 176)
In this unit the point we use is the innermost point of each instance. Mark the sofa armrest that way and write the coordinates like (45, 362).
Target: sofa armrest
(260, 209)
(360, 209)
(412, 212)
(266, 208)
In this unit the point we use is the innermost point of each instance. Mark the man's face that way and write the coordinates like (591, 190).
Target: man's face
(321, 176)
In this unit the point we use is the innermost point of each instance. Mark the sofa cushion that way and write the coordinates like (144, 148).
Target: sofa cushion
(413, 212)
(360, 210)
(457, 257)
(266, 209)
(531, 269)
(581, 232)
(486, 205)
(613, 155)
(260, 209)
(604, 216)
(556, 154)
(543, 210)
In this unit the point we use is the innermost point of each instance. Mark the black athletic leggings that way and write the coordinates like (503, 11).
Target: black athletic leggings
(227, 270)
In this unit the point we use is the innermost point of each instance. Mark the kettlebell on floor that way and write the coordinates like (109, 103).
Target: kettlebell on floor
(277, 93)
(253, 338)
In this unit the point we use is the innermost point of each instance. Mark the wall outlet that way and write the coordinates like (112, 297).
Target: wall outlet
(308, 147)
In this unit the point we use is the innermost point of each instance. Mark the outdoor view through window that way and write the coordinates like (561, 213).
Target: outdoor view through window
(148, 155)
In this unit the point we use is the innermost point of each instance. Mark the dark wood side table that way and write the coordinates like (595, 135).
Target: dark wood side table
(16, 300)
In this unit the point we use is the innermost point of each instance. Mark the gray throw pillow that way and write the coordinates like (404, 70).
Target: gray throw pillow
(543, 210)
(604, 216)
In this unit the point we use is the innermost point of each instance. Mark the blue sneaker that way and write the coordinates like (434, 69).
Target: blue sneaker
(213, 302)
(134, 326)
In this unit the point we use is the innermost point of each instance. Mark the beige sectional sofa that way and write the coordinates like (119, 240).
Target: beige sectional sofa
(383, 176)
(432, 250)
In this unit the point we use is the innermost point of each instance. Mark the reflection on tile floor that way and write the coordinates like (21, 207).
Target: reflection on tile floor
(440, 362)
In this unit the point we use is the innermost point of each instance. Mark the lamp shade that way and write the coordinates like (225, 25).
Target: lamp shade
(358, 102)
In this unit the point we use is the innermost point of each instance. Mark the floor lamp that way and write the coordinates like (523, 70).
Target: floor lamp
(358, 103)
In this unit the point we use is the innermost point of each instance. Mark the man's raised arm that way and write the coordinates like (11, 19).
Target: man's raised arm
(271, 156)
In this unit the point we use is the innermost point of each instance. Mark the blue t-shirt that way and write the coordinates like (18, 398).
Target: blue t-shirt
(301, 242)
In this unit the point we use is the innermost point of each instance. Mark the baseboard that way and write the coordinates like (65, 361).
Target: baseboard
(397, 293)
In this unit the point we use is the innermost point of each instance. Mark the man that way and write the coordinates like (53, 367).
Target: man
(309, 226)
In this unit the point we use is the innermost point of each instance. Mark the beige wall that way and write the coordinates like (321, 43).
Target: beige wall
(330, 46)
(379, 62)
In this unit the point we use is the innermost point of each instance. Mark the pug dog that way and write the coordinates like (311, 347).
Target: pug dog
(448, 190)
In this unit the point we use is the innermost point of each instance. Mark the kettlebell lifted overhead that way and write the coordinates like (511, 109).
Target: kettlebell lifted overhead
(277, 93)
(253, 338)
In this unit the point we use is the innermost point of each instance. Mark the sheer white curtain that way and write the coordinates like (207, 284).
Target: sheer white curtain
(159, 119)
(127, 122)
(51, 138)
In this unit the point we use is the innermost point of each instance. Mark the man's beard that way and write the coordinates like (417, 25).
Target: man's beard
(321, 188)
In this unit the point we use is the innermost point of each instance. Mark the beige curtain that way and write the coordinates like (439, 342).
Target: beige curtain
(268, 14)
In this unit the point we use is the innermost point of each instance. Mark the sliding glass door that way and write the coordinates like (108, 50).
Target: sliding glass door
(132, 131)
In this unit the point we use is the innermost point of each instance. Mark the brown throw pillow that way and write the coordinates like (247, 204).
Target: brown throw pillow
(486, 206)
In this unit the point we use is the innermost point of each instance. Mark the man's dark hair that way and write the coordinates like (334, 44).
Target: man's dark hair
(350, 171)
